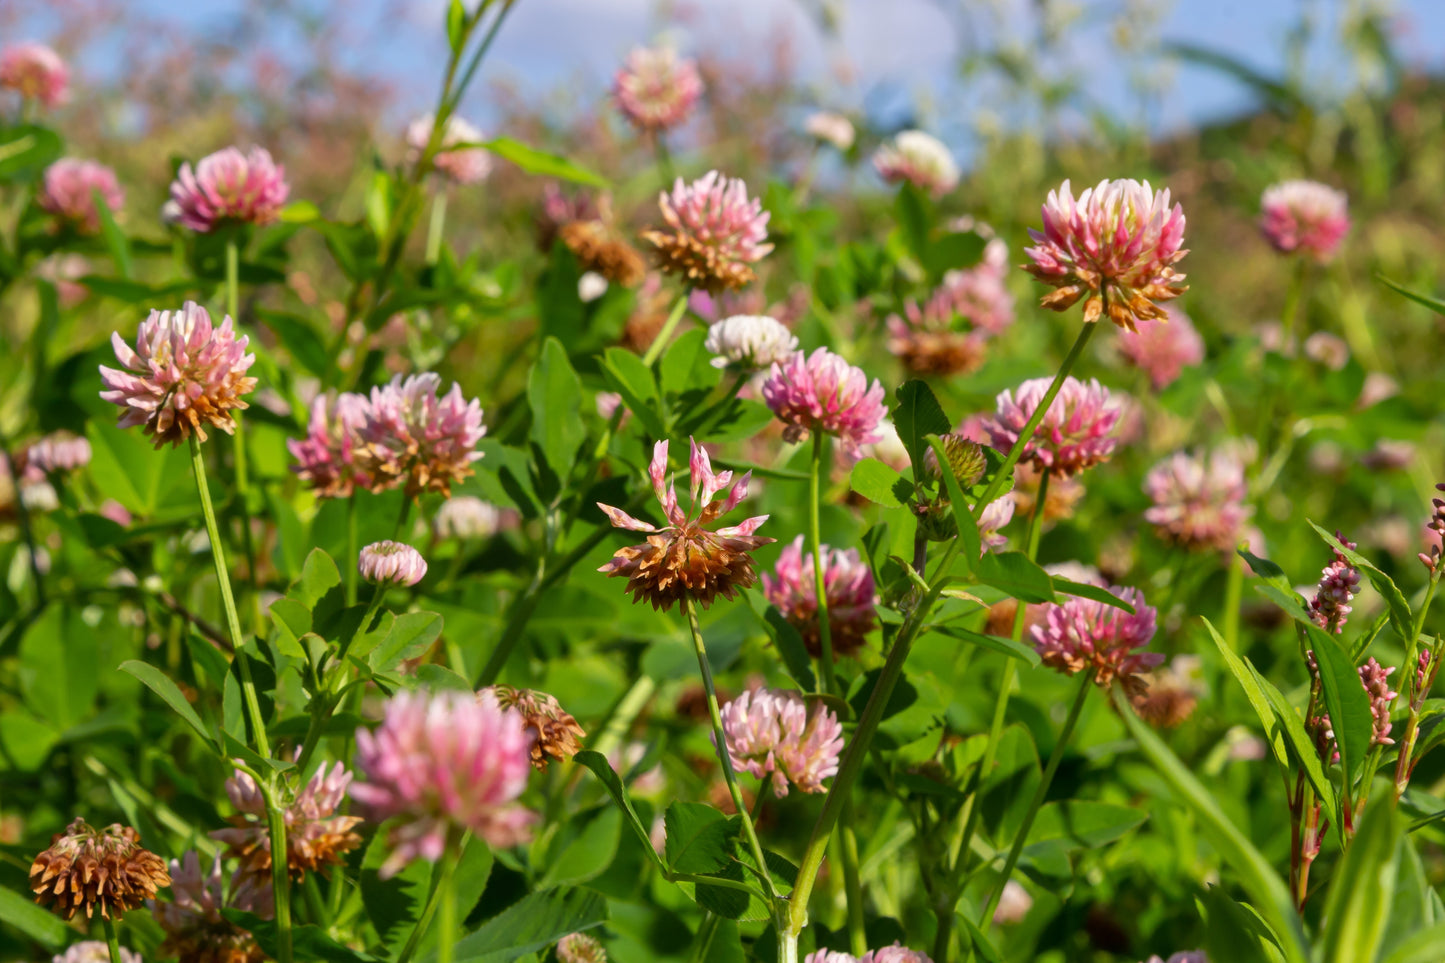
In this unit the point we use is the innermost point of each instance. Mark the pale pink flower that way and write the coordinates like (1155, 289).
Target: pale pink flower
(1075, 432)
(67, 192)
(655, 89)
(444, 762)
(1377, 387)
(770, 732)
(897, 953)
(1389, 454)
(1199, 500)
(183, 375)
(192, 920)
(920, 159)
(1339, 583)
(1082, 635)
(1013, 904)
(830, 956)
(1375, 678)
(466, 517)
(229, 187)
(995, 517)
(1327, 349)
(831, 128)
(391, 563)
(580, 948)
(1116, 247)
(456, 162)
(685, 559)
(57, 452)
(1163, 348)
(326, 457)
(949, 332)
(823, 392)
(94, 951)
(410, 435)
(36, 72)
(847, 584)
(1193, 956)
(116, 512)
(715, 232)
(315, 836)
(1304, 216)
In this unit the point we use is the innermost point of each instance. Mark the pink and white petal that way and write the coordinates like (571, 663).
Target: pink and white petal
(746, 527)
(621, 519)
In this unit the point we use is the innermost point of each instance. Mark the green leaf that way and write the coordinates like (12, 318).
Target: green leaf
(1082, 823)
(300, 339)
(588, 852)
(1363, 886)
(555, 395)
(1255, 694)
(26, 740)
(952, 251)
(633, 380)
(307, 942)
(699, 838)
(1423, 946)
(1400, 615)
(292, 621)
(1346, 700)
(916, 416)
(456, 25)
(1433, 303)
(34, 922)
(914, 212)
(994, 643)
(687, 365)
(962, 515)
(1235, 932)
(878, 483)
(602, 769)
(790, 646)
(299, 212)
(393, 905)
(159, 683)
(1256, 875)
(538, 162)
(1016, 574)
(378, 203)
(986, 950)
(27, 148)
(533, 923)
(319, 576)
(411, 634)
(1297, 739)
(115, 239)
(1086, 591)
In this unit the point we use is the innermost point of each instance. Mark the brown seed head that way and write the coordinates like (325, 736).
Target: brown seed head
(600, 248)
(557, 732)
(86, 867)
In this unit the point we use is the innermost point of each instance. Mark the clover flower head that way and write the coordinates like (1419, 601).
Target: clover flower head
(1199, 500)
(1162, 349)
(94, 951)
(949, 332)
(580, 948)
(326, 457)
(1115, 247)
(466, 517)
(35, 72)
(69, 188)
(655, 89)
(715, 232)
(822, 392)
(751, 342)
(56, 453)
(1075, 432)
(196, 932)
(86, 868)
(315, 836)
(455, 161)
(413, 437)
(556, 732)
(770, 732)
(686, 559)
(897, 953)
(831, 128)
(1306, 217)
(847, 585)
(920, 159)
(229, 187)
(391, 563)
(183, 375)
(1082, 635)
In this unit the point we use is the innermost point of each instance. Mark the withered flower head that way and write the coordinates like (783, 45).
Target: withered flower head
(87, 867)
(685, 559)
(315, 836)
(557, 732)
(599, 247)
(196, 932)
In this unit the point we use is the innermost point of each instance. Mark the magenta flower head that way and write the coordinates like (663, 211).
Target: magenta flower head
(410, 435)
(685, 559)
(920, 159)
(1199, 500)
(68, 192)
(1082, 635)
(1115, 247)
(1305, 217)
(391, 563)
(36, 72)
(183, 375)
(1339, 583)
(714, 233)
(655, 89)
(315, 836)
(326, 457)
(848, 585)
(444, 762)
(457, 163)
(822, 392)
(1074, 433)
(229, 187)
(770, 732)
(1163, 349)
(57, 453)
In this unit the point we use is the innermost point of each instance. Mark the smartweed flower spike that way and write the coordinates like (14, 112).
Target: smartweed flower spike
(68, 192)
(1339, 581)
(655, 89)
(750, 342)
(196, 932)
(412, 436)
(920, 159)
(444, 762)
(714, 233)
(458, 164)
(183, 375)
(580, 948)
(315, 836)
(1163, 349)
(685, 559)
(848, 584)
(35, 72)
(831, 128)
(823, 392)
(1376, 680)
(391, 563)
(1081, 635)
(770, 732)
(1074, 433)
(1115, 247)
(326, 457)
(94, 951)
(229, 187)
(1199, 500)
(86, 868)
(1437, 526)
(1304, 217)
(556, 732)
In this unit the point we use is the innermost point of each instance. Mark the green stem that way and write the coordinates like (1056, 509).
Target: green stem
(436, 227)
(654, 350)
(1086, 681)
(447, 900)
(112, 943)
(995, 487)
(522, 610)
(280, 877)
(664, 160)
(228, 601)
(233, 283)
(852, 883)
(349, 563)
(1233, 590)
(730, 777)
(829, 681)
(423, 923)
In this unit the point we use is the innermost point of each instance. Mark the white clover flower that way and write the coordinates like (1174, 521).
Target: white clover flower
(751, 341)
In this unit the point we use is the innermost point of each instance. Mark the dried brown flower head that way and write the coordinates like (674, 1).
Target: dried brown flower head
(600, 248)
(87, 867)
(557, 732)
(315, 836)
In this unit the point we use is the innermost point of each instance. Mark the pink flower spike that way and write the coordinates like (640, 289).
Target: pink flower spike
(823, 392)
(655, 89)
(1305, 217)
(229, 187)
(69, 190)
(35, 72)
(1074, 433)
